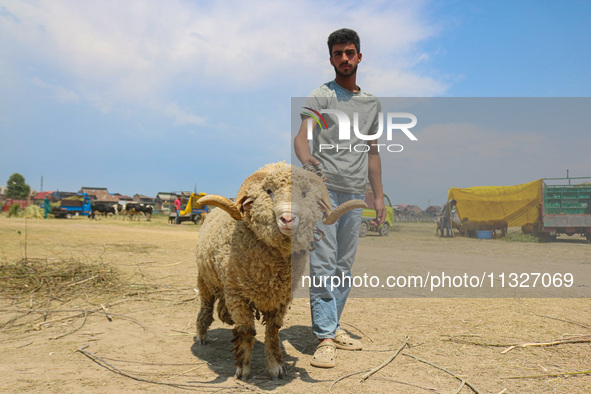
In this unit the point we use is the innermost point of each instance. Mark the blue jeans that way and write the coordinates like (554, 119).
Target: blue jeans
(445, 223)
(333, 256)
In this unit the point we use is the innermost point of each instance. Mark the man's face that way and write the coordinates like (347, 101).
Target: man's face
(344, 59)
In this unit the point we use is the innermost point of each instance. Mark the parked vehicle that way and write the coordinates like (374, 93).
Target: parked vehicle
(566, 209)
(192, 211)
(73, 206)
(370, 213)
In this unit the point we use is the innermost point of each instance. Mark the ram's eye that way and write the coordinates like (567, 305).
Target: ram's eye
(304, 193)
(270, 193)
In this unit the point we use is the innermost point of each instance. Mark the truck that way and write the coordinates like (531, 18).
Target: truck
(79, 205)
(369, 213)
(193, 211)
(566, 209)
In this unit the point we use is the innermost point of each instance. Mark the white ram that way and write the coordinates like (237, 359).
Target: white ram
(246, 251)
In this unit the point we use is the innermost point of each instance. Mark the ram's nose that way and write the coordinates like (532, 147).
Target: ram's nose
(287, 218)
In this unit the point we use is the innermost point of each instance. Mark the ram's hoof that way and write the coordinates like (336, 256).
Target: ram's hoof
(242, 372)
(202, 339)
(278, 371)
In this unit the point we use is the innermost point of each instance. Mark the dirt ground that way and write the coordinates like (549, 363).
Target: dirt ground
(138, 336)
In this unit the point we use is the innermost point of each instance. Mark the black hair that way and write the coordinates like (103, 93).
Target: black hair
(344, 36)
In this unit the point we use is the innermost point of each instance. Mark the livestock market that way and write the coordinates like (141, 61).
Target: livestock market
(117, 289)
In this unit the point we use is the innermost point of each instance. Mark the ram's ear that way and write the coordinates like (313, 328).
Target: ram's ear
(243, 202)
(246, 204)
(222, 202)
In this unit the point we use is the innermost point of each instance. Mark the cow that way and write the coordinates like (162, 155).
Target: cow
(134, 208)
(103, 208)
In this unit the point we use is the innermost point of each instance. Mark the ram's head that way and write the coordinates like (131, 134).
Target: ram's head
(282, 204)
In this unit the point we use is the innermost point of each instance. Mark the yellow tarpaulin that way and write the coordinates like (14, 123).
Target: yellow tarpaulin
(192, 204)
(517, 205)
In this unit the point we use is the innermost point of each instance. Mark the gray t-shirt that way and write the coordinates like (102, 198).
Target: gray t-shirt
(343, 162)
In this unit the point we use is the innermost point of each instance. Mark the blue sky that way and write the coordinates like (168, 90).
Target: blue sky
(148, 96)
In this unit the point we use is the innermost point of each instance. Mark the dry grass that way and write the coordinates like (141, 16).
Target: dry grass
(60, 279)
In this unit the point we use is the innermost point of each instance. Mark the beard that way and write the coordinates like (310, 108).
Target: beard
(348, 73)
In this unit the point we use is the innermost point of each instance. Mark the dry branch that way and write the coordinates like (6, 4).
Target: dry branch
(74, 330)
(549, 375)
(388, 361)
(552, 343)
(110, 367)
(464, 381)
(345, 377)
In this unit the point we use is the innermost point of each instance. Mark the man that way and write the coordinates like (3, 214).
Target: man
(346, 172)
(46, 206)
(446, 216)
(177, 206)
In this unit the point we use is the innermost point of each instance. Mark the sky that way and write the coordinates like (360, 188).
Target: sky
(156, 96)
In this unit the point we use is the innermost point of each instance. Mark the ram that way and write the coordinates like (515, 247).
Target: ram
(246, 251)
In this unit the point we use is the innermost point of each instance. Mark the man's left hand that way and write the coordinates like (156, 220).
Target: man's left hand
(380, 212)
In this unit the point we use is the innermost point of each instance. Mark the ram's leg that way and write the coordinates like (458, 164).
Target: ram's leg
(205, 317)
(273, 322)
(244, 335)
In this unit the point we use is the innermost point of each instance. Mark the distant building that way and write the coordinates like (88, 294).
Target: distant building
(144, 199)
(39, 197)
(122, 197)
(408, 212)
(98, 194)
(433, 210)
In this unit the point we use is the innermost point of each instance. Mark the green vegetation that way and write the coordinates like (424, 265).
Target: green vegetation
(519, 237)
(16, 188)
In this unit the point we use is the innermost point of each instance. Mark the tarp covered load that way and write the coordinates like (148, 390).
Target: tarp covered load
(192, 204)
(517, 205)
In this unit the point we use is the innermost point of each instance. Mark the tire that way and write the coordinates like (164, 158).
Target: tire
(68, 215)
(384, 230)
(588, 235)
(363, 229)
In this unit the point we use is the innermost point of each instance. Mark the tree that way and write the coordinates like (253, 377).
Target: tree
(17, 188)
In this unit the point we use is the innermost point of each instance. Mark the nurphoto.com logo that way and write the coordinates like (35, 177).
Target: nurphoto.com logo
(345, 129)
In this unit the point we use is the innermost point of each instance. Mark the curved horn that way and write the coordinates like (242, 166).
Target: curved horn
(341, 209)
(222, 202)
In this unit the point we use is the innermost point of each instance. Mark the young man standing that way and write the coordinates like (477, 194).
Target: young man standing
(346, 168)
(446, 216)
(177, 205)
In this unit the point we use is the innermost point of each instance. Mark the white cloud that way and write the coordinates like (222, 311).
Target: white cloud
(59, 93)
(137, 51)
(142, 45)
(183, 117)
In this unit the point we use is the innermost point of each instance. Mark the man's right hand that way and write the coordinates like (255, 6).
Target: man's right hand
(315, 168)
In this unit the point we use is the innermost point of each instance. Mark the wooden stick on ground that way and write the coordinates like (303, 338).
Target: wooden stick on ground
(345, 377)
(74, 330)
(113, 368)
(388, 361)
(552, 343)
(549, 375)
(464, 381)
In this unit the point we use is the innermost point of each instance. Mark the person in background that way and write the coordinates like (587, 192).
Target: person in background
(446, 216)
(177, 206)
(46, 206)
